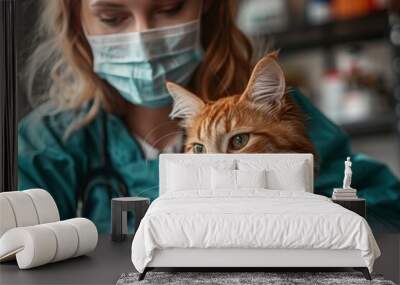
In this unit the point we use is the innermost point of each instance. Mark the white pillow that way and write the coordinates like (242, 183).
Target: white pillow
(182, 177)
(223, 179)
(251, 179)
(294, 179)
(288, 175)
(185, 175)
(227, 179)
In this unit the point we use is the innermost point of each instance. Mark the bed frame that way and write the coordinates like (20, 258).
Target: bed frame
(247, 259)
(261, 259)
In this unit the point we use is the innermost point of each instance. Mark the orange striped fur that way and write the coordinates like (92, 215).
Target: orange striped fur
(263, 119)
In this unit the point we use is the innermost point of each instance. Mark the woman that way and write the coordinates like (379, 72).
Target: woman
(107, 117)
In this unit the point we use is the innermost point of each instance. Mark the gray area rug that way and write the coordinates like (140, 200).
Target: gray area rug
(230, 278)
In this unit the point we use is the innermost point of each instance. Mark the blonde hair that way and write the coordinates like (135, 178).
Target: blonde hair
(65, 55)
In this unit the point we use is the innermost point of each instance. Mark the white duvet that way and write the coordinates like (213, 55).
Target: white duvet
(250, 219)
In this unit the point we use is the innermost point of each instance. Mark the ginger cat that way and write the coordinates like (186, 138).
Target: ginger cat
(263, 119)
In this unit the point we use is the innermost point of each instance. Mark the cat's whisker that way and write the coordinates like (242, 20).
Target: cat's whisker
(156, 128)
(166, 135)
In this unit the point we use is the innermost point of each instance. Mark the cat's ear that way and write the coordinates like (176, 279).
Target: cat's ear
(186, 105)
(267, 84)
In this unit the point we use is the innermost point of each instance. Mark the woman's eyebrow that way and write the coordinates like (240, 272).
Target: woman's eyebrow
(105, 3)
(165, 2)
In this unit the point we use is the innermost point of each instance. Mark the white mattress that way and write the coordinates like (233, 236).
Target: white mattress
(256, 218)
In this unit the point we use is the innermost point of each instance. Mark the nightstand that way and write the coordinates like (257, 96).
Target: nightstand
(356, 205)
(119, 208)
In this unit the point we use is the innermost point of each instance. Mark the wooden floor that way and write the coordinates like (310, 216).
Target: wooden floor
(389, 262)
(106, 264)
(385, 148)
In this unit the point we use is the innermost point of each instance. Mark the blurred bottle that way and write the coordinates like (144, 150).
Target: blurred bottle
(343, 100)
(380, 4)
(332, 94)
(257, 17)
(357, 104)
(318, 11)
(356, 90)
(345, 9)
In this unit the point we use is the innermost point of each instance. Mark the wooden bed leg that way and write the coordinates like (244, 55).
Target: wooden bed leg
(364, 271)
(143, 274)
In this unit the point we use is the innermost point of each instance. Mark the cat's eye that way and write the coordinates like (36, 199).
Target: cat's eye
(238, 141)
(198, 148)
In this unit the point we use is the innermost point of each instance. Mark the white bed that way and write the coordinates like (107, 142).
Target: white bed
(195, 224)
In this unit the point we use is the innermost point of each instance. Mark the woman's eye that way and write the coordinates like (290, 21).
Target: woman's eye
(113, 21)
(173, 10)
(198, 148)
(238, 141)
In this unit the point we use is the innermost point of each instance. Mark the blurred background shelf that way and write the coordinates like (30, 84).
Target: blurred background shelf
(379, 125)
(342, 54)
(365, 28)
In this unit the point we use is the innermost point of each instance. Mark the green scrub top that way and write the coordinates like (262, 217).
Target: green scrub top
(46, 160)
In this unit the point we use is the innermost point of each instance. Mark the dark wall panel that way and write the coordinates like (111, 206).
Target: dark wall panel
(8, 95)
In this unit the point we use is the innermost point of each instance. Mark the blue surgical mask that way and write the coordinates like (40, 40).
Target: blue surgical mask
(138, 64)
